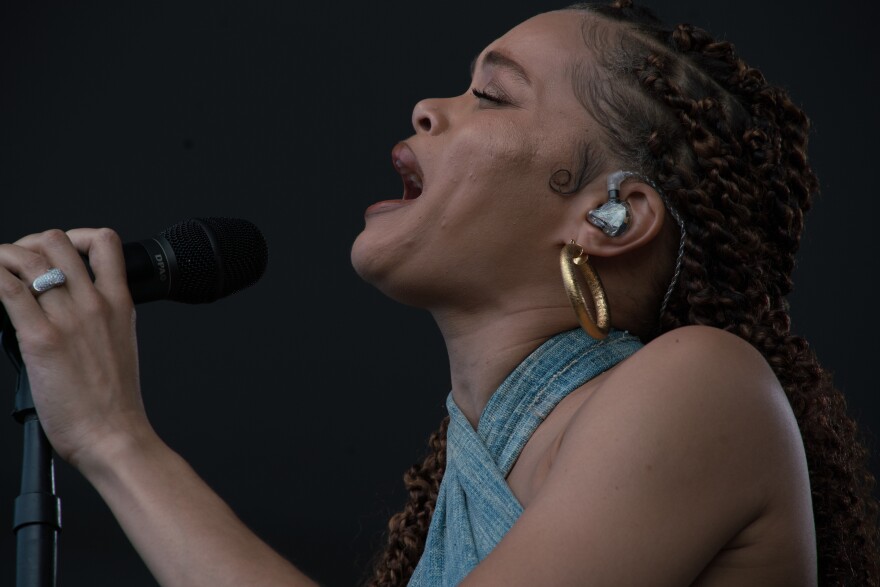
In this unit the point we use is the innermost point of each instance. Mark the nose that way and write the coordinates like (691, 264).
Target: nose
(430, 117)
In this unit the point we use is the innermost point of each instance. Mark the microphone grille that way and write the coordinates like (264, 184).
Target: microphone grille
(216, 257)
(243, 250)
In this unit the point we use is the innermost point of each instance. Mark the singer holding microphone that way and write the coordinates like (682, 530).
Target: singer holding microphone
(603, 226)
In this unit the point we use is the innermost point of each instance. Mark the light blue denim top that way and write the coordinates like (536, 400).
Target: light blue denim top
(475, 507)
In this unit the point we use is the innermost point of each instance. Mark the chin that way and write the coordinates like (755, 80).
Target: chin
(364, 261)
(383, 272)
(372, 262)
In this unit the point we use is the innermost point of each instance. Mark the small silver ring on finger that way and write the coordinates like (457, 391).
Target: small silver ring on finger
(51, 278)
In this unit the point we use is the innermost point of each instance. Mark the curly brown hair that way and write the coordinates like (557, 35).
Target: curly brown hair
(729, 151)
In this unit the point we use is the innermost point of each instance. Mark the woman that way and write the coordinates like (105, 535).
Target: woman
(589, 139)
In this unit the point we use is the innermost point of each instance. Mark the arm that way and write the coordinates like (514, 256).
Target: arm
(78, 343)
(184, 532)
(678, 450)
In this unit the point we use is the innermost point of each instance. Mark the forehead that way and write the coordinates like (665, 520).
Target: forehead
(547, 46)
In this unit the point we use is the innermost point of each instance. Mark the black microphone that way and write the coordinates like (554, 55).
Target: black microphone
(195, 261)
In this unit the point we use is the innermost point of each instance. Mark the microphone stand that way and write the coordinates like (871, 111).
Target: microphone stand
(37, 517)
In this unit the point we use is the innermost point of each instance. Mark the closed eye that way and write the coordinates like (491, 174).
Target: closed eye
(481, 95)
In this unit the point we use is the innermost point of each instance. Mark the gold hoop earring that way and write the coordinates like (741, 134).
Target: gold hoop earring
(572, 258)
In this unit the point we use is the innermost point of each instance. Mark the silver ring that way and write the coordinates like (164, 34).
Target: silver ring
(51, 278)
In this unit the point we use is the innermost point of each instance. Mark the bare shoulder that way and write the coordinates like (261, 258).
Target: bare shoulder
(692, 352)
(709, 382)
(703, 392)
(683, 452)
(699, 371)
(696, 378)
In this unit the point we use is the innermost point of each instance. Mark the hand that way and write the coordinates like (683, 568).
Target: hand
(77, 340)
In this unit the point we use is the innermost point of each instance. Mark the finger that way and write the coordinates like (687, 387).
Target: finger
(55, 246)
(25, 264)
(103, 247)
(20, 304)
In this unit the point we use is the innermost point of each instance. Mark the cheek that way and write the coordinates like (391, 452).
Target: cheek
(503, 199)
(496, 160)
(505, 146)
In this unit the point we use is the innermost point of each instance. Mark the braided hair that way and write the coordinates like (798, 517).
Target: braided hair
(729, 151)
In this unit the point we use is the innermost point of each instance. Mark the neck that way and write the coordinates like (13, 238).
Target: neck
(484, 347)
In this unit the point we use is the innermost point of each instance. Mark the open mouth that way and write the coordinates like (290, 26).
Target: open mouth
(412, 185)
(407, 166)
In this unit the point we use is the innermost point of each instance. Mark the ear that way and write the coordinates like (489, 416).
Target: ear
(647, 216)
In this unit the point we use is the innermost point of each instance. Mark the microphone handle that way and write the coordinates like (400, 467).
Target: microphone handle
(152, 269)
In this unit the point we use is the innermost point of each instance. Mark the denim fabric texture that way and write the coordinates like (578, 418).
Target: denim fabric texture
(475, 506)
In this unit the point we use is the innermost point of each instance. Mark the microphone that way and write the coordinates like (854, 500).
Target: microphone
(196, 261)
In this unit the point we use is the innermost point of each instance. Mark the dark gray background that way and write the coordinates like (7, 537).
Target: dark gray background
(303, 399)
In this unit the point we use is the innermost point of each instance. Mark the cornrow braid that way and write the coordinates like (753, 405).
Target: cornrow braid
(729, 151)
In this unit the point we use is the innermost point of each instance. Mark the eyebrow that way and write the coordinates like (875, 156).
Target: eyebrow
(501, 60)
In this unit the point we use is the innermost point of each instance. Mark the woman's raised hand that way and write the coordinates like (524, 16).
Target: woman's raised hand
(77, 340)
(78, 344)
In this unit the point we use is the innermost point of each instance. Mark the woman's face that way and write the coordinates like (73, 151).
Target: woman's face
(485, 221)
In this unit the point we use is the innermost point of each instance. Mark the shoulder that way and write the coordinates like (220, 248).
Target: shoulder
(700, 366)
(703, 352)
(696, 399)
(669, 456)
(665, 461)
